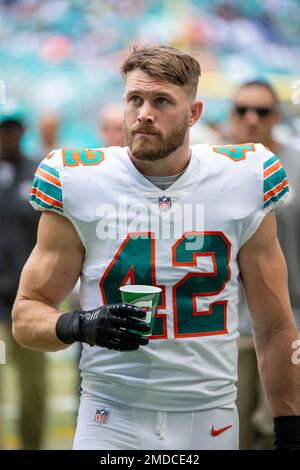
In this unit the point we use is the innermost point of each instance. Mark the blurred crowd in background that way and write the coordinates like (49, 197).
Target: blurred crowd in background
(60, 86)
(63, 56)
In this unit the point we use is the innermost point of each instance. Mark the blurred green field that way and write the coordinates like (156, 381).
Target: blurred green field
(62, 402)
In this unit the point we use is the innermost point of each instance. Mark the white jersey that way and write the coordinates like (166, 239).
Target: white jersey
(185, 240)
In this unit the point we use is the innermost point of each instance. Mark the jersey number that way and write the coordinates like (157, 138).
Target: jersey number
(87, 157)
(135, 262)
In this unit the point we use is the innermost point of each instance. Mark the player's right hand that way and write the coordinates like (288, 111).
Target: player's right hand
(105, 326)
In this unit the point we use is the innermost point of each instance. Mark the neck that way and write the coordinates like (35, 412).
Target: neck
(169, 166)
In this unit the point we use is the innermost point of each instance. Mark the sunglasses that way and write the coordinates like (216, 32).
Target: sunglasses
(261, 111)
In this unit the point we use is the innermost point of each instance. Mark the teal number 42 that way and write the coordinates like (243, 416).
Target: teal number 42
(134, 262)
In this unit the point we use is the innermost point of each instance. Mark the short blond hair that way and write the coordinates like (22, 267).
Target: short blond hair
(165, 63)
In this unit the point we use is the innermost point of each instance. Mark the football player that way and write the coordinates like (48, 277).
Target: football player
(103, 221)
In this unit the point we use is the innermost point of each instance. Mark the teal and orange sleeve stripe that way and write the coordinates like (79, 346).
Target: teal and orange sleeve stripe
(46, 192)
(275, 181)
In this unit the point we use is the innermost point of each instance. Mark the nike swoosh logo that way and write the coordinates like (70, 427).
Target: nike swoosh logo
(215, 432)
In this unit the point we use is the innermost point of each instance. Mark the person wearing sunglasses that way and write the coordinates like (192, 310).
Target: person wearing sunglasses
(254, 114)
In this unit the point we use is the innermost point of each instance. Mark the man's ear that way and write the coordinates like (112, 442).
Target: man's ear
(196, 111)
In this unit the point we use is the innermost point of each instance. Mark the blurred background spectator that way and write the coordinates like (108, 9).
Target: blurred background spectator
(48, 126)
(17, 238)
(111, 123)
(61, 58)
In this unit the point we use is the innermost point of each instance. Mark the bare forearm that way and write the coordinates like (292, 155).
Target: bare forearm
(34, 325)
(280, 377)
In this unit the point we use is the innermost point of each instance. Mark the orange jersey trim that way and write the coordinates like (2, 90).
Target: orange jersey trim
(272, 169)
(48, 177)
(45, 198)
(276, 190)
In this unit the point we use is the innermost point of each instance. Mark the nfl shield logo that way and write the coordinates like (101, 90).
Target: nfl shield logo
(101, 416)
(164, 202)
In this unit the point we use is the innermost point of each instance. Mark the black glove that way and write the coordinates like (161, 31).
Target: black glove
(106, 326)
(287, 433)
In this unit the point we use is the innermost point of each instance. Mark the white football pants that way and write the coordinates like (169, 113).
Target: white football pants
(106, 425)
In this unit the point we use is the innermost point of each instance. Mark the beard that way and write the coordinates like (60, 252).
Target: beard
(156, 146)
